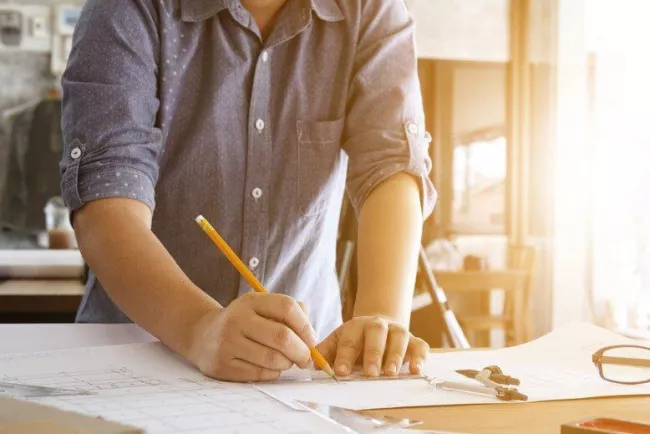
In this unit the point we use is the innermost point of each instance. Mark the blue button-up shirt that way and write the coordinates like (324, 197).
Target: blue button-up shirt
(183, 105)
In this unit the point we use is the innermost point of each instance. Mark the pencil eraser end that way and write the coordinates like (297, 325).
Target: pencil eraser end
(199, 219)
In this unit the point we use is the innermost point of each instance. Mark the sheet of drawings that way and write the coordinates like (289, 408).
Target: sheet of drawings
(557, 366)
(145, 385)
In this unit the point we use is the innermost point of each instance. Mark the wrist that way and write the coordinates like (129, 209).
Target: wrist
(388, 316)
(393, 307)
(198, 329)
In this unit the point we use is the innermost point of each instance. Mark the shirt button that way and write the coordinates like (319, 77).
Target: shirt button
(265, 56)
(413, 128)
(75, 153)
(259, 124)
(253, 263)
(257, 193)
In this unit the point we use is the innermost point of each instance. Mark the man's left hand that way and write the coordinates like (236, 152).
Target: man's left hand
(378, 343)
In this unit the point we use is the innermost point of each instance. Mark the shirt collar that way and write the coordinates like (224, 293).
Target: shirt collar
(327, 10)
(199, 10)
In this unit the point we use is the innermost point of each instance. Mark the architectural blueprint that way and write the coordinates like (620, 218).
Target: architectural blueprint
(145, 385)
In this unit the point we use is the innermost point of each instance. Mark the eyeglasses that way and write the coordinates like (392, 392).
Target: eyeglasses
(623, 364)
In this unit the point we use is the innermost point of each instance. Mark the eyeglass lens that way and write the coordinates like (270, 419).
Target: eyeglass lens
(626, 364)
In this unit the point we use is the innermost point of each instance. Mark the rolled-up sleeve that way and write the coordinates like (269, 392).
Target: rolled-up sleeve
(385, 131)
(110, 105)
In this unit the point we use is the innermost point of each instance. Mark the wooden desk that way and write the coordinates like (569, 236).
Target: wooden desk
(40, 296)
(529, 418)
(522, 418)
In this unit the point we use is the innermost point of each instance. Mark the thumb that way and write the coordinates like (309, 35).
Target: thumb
(329, 346)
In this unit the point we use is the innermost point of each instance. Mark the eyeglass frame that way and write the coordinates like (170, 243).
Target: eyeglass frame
(597, 358)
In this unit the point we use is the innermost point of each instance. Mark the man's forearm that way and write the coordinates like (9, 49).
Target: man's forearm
(137, 271)
(389, 237)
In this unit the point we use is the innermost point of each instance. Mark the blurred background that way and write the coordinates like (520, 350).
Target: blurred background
(539, 113)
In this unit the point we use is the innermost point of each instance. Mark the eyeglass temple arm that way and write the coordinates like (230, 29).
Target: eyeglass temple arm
(644, 363)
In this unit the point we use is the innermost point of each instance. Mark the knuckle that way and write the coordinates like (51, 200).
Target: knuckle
(399, 331)
(259, 373)
(354, 322)
(394, 355)
(288, 305)
(263, 374)
(373, 353)
(378, 324)
(347, 343)
(248, 297)
(271, 358)
(281, 336)
(306, 330)
(271, 375)
(419, 343)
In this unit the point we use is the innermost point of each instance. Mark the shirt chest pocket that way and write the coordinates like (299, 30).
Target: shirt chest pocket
(319, 164)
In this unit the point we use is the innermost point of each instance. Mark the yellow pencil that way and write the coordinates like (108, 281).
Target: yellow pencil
(316, 356)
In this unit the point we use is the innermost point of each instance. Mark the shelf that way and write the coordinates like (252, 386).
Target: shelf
(41, 264)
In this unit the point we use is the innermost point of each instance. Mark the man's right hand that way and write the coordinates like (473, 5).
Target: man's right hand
(255, 338)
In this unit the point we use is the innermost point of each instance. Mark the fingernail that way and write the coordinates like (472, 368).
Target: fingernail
(373, 370)
(342, 369)
(419, 367)
(391, 369)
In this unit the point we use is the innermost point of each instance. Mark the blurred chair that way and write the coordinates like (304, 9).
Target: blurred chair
(516, 282)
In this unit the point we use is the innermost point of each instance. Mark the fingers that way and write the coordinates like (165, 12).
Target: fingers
(261, 355)
(349, 347)
(243, 371)
(284, 309)
(304, 308)
(276, 336)
(418, 351)
(329, 346)
(376, 333)
(398, 341)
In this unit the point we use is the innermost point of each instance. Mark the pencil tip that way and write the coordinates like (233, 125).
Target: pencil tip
(329, 371)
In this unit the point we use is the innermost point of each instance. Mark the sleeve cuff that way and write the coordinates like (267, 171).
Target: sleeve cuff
(416, 163)
(80, 184)
(428, 193)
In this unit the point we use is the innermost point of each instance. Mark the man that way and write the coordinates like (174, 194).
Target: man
(248, 112)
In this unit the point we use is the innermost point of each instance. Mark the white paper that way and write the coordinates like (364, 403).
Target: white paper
(557, 366)
(24, 338)
(146, 385)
